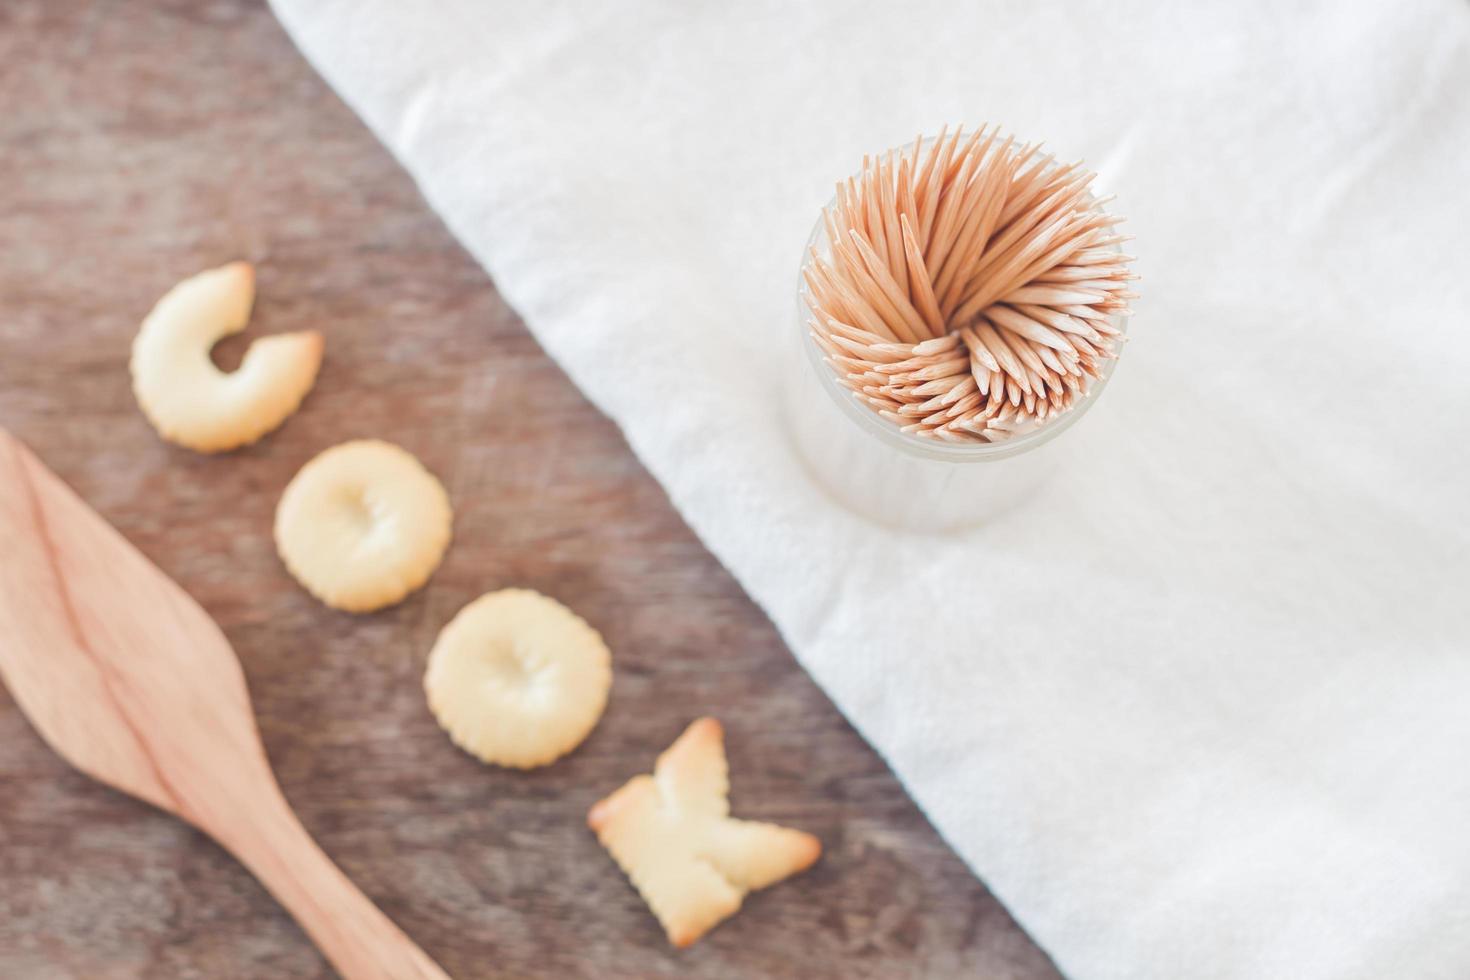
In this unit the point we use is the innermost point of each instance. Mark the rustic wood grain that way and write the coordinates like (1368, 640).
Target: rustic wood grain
(140, 143)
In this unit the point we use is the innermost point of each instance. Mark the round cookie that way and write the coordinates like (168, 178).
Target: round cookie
(362, 525)
(517, 679)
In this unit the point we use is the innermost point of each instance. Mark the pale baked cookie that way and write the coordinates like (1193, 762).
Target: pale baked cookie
(517, 679)
(362, 525)
(195, 404)
(673, 836)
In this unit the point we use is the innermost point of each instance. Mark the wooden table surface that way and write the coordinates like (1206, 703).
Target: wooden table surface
(140, 143)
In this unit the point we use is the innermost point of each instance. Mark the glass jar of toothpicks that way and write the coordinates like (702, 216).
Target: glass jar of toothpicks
(962, 300)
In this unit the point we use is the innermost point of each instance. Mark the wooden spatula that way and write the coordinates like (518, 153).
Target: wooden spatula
(131, 682)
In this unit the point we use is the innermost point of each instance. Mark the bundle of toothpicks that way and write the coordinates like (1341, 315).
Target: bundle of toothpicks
(971, 290)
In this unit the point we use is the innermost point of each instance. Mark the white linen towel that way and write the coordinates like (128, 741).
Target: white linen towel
(1202, 708)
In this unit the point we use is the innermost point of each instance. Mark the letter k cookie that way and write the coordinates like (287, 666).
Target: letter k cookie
(672, 834)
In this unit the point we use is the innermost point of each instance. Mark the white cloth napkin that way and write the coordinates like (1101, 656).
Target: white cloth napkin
(1202, 708)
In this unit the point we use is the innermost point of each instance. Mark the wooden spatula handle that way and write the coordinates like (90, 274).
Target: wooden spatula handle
(132, 682)
(355, 936)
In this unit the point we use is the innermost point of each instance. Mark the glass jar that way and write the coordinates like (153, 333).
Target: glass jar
(903, 480)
